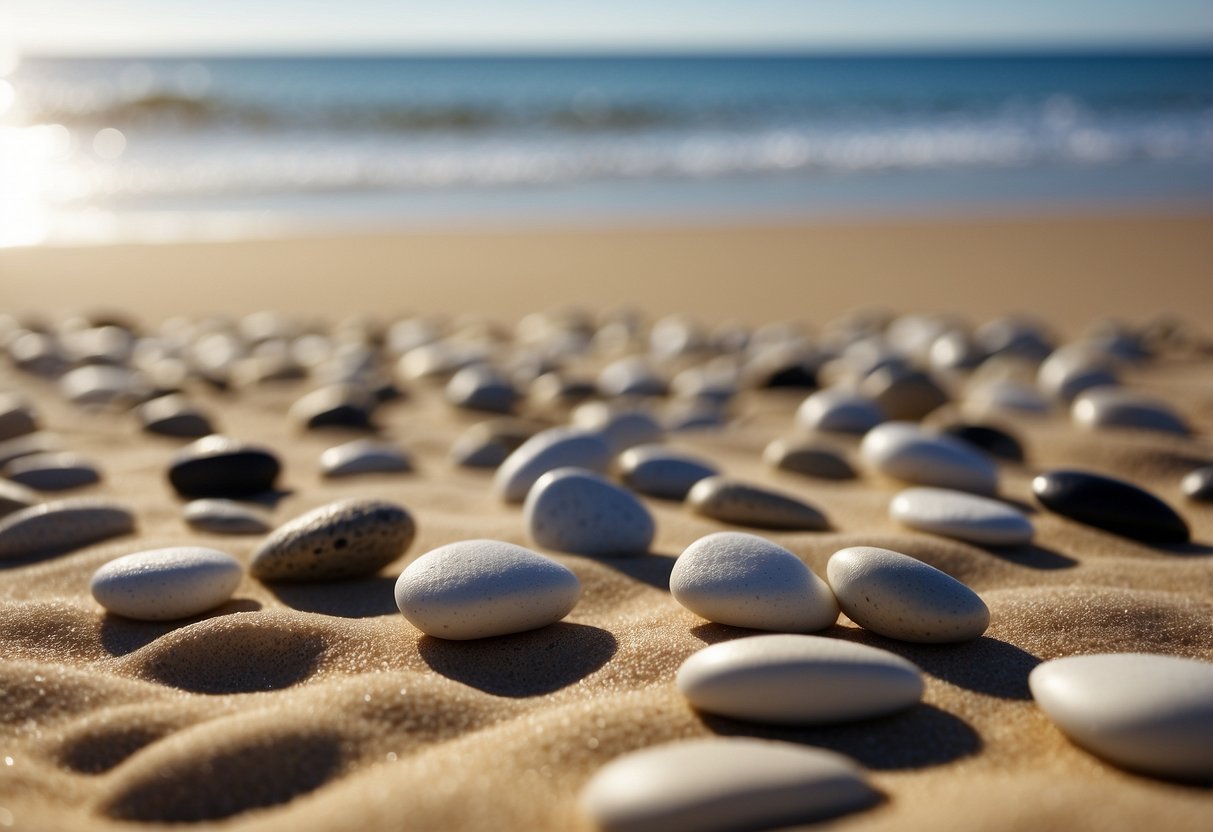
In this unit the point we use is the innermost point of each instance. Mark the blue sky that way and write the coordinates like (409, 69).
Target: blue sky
(116, 26)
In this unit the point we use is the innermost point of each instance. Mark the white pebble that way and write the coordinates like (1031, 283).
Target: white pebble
(165, 584)
(1113, 407)
(578, 511)
(838, 410)
(905, 451)
(546, 451)
(364, 456)
(663, 472)
(962, 516)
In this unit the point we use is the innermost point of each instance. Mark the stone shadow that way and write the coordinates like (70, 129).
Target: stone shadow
(1033, 556)
(358, 598)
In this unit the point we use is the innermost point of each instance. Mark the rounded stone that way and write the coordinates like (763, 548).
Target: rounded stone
(1113, 407)
(663, 472)
(166, 584)
(901, 597)
(345, 539)
(97, 385)
(173, 415)
(798, 680)
(41, 442)
(579, 511)
(747, 581)
(903, 394)
(1198, 485)
(1110, 504)
(732, 501)
(17, 417)
(60, 471)
(364, 456)
(621, 428)
(546, 451)
(218, 466)
(632, 376)
(62, 526)
(992, 440)
(336, 405)
(219, 516)
(962, 516)
(482, 588)
(808, 458)
(14, 497)
(1073, 368)
(482, 387)
(487, 444)
(906, 452)
(1004, 397)
(837, 410)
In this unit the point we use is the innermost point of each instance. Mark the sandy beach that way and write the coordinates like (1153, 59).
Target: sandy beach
(318, 707)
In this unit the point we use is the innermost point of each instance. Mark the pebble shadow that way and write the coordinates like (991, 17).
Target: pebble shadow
(120, 636)
(1033, 556)
(653, 569)
(359, 598)
(1193, 548)
(523, 664)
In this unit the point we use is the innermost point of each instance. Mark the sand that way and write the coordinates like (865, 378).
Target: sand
(318, 707)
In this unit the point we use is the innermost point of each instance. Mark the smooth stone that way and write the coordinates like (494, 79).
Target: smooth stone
(906, 452)
(781, 368)
(798, 680)
(545, 451)
(994, 441)
(901, 597)
(98, 385)
(694, 415)
(14, 497)
(1145, 712)
(715, 382)
(1071, 369)
(1003, 397)
(218, 466)
(17, 417)
(807, 458)
(62, 525)
(487, 444)
(345, 539)
(482, 387)
(59, 471)
(732, 501)
(334, 406)
(1016, 336)
(38, 353)
(28, 445)
(1113, 407)
(1110, 504)
(962, 516)
(747, 581)
(560, 389)
(579, 511)
(173, 415)
(219, 516)
(1198, 485)
(482, 588)
(904, 394)
(621, 428)
(632, 376)
(166, 584)
(723, 784)
(364, 456)
(663, 472)
(836, 410)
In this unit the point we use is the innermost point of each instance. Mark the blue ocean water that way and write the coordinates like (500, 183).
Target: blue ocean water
(96, 146)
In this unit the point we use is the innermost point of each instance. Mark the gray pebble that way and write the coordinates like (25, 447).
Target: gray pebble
(336, 405)
(545, 451)
(14, 497)
(731, 501)
(622, 428)
(27, 445)
(579, 511)
(800, 456)
(104, 386)
(663, 472)
(364, 456)
(482, 387)
(904, 394)
(837, 410)
(487, 444)
(173, 415)
(53, 471)
(1113, 407)
(219, 516)
(17, 417)
(62, 525)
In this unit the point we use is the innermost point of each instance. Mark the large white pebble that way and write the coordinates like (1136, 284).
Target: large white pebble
(546, 451)
(1145, 712)
(901, 597)
(747, 581)
(481, 588)
(798, 680)
(904, 451)
(164, 584)
(723, 784)
(961, 516)
(578, 511)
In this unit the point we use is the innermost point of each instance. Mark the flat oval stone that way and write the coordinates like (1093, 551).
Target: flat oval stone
(659, 471)
(1145, 712)
(1198, 484)
(837, 410)
(1001, 397)
(962, 516)
(97, 385)
(345, 539)
(17, 417)
(1113, 407)
(62, 525)
(579, 511)
(994, 441)
(334, 406)
(173, 415)
(621, 428)
(546, 451)
(723, 784)
(219, 516)
(217, 466)
(165, 584)
(906, 452)
(14, 497)
(53, 471)
(747, 581)
(732, 501)
(482, 588)
(482, 387)
(904, 394)
(632, 376)
(901, 597)
(41, 442)
(364, 456)
(487, 444)
(1110, 504)
(808, 458)
(798, 680)
(1073, 368)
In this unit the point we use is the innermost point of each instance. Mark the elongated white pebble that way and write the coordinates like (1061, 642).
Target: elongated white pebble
(748, 581)
(1145, 712)
(798, 680)
(723, 784)
(62, 525)
(961, 516)
(481, 588)
(907, 452)
(164, 584)
(545, 451)
(901, 597)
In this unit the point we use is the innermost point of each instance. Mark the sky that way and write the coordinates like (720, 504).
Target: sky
(205, 26)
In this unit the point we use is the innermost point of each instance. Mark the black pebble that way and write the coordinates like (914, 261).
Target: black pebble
(992, 440)
(231, 469)
(1110, 504)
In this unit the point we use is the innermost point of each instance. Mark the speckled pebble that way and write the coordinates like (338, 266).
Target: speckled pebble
(579, 511)
(14, 497)
(661, 471)
(59, 471)
(62, 525)
(545, 451)
(219, 516)
(218, 466)
(907, 452)
(166, 584)
(808, 458)
(732, 501)
(364, 456)
(962, 516)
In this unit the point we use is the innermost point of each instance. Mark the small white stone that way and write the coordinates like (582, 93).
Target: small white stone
(838, 410)
(798, 680)
(660, 471)
(723, 784)
(905, 451)
(364, 456)
(545, 451)
(219, 516)
(747, 581)
(1145, 712)
(1071, 369)
(165, 584)
(621, 428)
(1113, 407)
(579, 511)
(632, 376)
(481, 588)
(962, 516)
(901, 597)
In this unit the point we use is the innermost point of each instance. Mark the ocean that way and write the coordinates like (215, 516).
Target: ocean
(113, 149)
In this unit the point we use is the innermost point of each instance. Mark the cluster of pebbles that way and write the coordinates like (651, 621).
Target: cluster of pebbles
(923, 402)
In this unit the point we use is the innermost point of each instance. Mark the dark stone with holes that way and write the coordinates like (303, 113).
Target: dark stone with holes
(994, 441)
(1110, 504)
(217, 466)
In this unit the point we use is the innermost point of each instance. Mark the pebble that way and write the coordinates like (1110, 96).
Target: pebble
(632, 376)
(97, 385)
(218, 466)
(662, 472)
(560, 447)
(1145, 712)
(994, 441)
(219, 516)
(579, 511)
(1110, 504)
(166, 584)
(962, 516)
(837, 410)
(173, 415)
(364, 456)
(903, 394)
(747, 581)
(1112, 407)
(560, 389)
(59, 471)
(41, 442)
(808, 458)
(482, 588)
(907, 452)
(783, 368)
(1071, 369)
(1002, 397)
(14, 497)
(798, 680)
(487, 444)
(482, 387)
(901, 597)
(17, 418)
(1198, 485)
(334, 406)
(621, 428)
(62, 525)
(1012, 335)
(723, 784)
(345, 539)
(731, 501)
